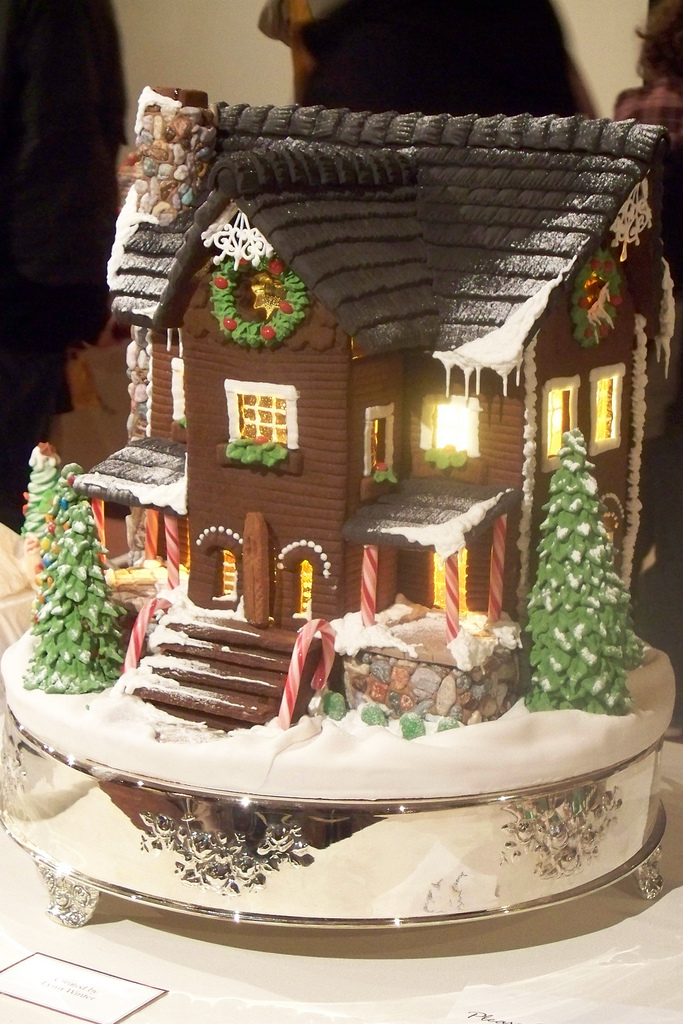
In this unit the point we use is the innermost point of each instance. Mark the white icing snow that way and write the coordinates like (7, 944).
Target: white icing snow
(502, 349)
(528, 473)
(323, 759)
(352, 636)
(449, 537)
(128, 221)
(633, 503)
(173, 495)
(149, 98)
(667, 317)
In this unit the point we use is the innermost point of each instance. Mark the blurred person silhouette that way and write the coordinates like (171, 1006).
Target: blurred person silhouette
(483, 57)
(659, 590)
(62, 108)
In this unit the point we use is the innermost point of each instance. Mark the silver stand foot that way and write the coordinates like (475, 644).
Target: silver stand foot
(649, 880)
(72, 903)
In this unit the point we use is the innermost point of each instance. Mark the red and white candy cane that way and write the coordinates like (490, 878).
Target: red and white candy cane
(98, 514)
(497, 566)
(296, 665)
(172, 551)
(368, 586)
(137, 637)
(151, 533)
(452, 598)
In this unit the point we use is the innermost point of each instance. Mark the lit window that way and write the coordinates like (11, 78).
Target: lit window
(378, 438)
(262, 410)
(439, 581)
(305, 588)
(560, 397)
(606, 389)
(454, 421)
(229, 576)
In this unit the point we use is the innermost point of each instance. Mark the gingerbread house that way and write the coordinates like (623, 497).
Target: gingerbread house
(357, 340)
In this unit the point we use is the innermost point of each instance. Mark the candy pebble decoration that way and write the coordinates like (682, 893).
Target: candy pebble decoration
(579, 610)
(76, 622)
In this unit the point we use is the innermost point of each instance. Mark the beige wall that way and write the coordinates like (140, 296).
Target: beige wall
(215, 45)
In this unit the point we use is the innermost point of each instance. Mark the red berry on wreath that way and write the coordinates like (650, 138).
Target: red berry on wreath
(603, 330)
(583, 302)
(261, 439)
(608, 267)
(589, 332)
(596, 264)
(286, 307)
(243, 262)
(229, 324)
(267, 332)
(220, 282)
(615, 300)
(276, 267)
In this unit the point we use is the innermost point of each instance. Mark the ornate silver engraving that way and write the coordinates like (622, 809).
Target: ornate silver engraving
(228, 864)
(237, 240)
(649, 880)
(633, 218)
(72, 903)
(563, 831)
(13, 773)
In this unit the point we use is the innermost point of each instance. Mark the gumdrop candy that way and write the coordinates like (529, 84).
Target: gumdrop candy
(411, 726)
(334, 705)
(372, 714)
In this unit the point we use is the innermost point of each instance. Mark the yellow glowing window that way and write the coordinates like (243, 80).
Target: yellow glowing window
(559, 418)
(305, 587)
(263, 416)
(606, 409)
(439, 581)
(453, 423)
(379, 442)
(229, 578)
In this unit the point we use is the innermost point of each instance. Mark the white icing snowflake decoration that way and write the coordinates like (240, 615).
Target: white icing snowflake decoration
(633, 218)
(236, 239)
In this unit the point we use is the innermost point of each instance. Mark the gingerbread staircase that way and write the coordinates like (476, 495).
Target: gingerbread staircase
(227, 673)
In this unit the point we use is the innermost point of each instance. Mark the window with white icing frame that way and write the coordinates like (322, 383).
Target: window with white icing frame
(560, 403)
(606, 391)
(451, 421)
(378, 445)
(256, 410)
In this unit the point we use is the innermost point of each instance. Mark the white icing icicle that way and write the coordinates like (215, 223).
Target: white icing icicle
(502, 349)
(667, 317)
(633, 504)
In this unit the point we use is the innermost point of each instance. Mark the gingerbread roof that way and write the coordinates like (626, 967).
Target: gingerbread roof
(433, 513)
(149, 471)
(414, 231)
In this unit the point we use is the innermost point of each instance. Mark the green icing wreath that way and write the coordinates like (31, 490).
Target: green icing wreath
(282, 317)
(596, 296)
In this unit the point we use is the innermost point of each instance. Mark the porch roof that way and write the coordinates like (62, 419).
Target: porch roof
(439, 514)
(149, 472)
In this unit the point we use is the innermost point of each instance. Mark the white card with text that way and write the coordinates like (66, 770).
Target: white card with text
(73, 990)
(484, 1004)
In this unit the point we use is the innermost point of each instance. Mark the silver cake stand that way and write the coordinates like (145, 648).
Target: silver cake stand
(352, 864)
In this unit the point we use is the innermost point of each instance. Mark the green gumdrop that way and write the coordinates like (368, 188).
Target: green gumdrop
(448, 723)
(334, 705)
(411, 726)
(372, 714)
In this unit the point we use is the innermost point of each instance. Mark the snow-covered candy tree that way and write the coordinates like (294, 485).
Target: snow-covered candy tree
(44, 463)
(579, 609)
(76, 622)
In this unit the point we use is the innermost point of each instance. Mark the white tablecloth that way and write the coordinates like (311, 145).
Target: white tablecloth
(610, 947)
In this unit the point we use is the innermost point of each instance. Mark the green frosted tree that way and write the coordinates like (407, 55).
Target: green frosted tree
(75, 621)
(579, 609)
(44, 463)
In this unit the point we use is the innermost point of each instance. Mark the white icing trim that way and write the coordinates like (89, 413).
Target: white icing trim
(633, 218)
(633, 503)
(233, 388)
(218, 530)
(378, 412)
(178, 387)
(127, 224)
(236, 239)
(502, 349)
(172, 495)
(528, 473)
(599, 373)
(428, 421)
(149, 344)
(550, 463)
(667, 317)
(149, 98)
(449, 537)
(311, 546)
